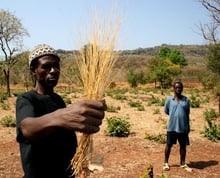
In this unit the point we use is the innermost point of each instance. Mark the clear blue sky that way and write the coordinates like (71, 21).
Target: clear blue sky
(146, 23)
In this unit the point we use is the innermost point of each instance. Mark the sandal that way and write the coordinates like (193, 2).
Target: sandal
(166, 167)
(185, 167)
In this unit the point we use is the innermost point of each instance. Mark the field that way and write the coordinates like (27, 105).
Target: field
(128, 157)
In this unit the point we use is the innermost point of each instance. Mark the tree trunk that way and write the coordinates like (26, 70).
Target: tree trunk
(7, 76)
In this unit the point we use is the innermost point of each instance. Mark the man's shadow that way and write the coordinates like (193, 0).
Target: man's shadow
(202, 164)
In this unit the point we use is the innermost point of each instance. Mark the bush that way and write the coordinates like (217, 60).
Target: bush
(212, 131)
(118, 127)
(194, 102)
(160, 138)
(111, 108)
(137, 104)
(8, 121)
(3, 96)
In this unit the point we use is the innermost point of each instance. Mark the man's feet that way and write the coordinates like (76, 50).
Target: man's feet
(186, 167)
(166, 167)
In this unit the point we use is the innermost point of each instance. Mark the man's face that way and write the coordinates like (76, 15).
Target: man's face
(178, 89)
(47, 71)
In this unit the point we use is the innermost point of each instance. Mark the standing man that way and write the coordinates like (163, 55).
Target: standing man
(178, 128)
(45, 126)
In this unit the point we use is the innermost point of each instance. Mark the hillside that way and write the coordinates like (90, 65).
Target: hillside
(136, 59)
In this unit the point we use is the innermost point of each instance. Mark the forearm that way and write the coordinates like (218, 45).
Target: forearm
(38, 128)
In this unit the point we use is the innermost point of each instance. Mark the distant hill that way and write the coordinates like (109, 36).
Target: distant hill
(136, 59)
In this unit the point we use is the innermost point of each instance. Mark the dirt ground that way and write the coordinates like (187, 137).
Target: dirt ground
(129, 157)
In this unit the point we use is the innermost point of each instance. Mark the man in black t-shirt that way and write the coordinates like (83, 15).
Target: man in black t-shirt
(45, 126)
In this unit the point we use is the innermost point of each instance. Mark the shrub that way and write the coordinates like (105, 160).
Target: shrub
(3, 96)
(137, 104)
(118, 127)
(212, 131)
(8, 121)
(120, 97)
(111, 108)
(160, 138)
(194, 102)
(148, 173)
(156, 111)
(4, 106)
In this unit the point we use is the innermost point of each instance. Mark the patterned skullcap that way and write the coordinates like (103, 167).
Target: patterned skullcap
(41, 50)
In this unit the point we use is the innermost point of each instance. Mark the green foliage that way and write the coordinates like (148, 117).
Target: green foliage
(208, 79)
(213, 62)
(118, 127)
(166, 66)
(3, 96)
(120, 97)
(66, 99)
(132, 78)
(118, 94)
(194, 101)
(11, 34)
(164, 175)
(160, 138)
(174, 55)
(148, 173)
(156, 111)
(111, 108)
(156, 101)
(137, 104)
(212, 131)
(4, 106)
(8, 121)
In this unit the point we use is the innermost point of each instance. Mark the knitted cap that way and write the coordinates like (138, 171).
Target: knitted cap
(41, 50)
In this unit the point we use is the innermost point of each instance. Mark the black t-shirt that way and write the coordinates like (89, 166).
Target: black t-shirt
(51, 157)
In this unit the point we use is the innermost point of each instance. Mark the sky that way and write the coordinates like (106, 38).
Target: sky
(146, 23)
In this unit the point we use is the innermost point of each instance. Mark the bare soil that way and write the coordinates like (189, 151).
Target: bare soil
(128, 157)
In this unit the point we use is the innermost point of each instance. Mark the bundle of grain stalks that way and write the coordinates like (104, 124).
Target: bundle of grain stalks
(95, 61)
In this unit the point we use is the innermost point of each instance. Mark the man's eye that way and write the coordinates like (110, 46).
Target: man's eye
(49, 66)
(46, 66)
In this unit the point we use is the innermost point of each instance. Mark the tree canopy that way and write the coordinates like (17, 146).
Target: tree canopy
(11, 41)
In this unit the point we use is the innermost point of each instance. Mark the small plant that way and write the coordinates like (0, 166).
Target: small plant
(164, 175)
(8, 121)
(111, 108)
(137, 104)
(148, 173)
(4, 106)
(156, 111)
(132, 78)
(3, 96)
(160, 138)
(118, 127)
(154, 100)
(120, 97)
(195, 102)
(212, 131)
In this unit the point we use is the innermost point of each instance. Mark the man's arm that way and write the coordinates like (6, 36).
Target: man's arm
(167, 106)
(85, 116)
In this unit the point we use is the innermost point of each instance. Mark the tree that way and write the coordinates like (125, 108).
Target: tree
(165, 66)
(210, 31)
(11, 40)
(173, 55)
(213, 59)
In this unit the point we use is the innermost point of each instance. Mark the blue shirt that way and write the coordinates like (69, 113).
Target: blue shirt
(178, 112)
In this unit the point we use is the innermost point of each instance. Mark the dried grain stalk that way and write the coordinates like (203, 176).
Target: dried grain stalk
(95, 61)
